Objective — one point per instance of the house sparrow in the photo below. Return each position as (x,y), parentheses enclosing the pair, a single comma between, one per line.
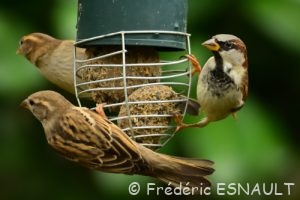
(223,82)
(90,139)
(53,58)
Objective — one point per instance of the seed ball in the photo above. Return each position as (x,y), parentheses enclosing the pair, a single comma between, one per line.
(133,124)
(116,92)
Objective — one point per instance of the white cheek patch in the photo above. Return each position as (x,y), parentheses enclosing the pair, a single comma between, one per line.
(233,61)
(227,67)
(236,74)
(233,56)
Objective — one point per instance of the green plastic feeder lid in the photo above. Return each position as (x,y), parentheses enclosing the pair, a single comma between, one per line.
(159,20)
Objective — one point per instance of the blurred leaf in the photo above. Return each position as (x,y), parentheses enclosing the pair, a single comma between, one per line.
(14,69)
(65,19)
(278,19)
(117,184)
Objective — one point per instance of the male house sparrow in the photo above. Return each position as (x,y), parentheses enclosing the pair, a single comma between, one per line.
(223,82)
(88,138)
(53,58)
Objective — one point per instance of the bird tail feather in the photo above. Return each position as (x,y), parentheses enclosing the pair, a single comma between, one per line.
(180,171)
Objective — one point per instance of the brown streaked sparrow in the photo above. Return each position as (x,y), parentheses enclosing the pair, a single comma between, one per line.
(53,58)
(223,82)
(90,139)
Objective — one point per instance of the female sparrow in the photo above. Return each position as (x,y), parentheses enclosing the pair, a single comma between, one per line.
(223,82)
(53,58)
(90,139)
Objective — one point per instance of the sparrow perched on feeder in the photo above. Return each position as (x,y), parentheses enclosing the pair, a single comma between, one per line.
(222,85)
(91,140)
(53,58)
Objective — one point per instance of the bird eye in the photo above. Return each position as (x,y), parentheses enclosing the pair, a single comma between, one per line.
(21,42)
(31,102)
(227,45)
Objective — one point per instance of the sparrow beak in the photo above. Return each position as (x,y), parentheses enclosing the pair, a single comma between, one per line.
(25,104)
(211,44)
(19,51)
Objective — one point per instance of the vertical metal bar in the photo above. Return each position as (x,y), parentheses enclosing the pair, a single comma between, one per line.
(125,83)
(75,77)
(190,76)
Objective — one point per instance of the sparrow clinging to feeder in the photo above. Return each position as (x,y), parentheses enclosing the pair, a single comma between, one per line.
(222,85)
(91,140)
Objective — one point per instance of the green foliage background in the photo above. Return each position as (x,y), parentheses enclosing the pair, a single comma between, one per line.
(262,146)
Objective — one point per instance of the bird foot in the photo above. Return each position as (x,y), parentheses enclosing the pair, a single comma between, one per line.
(234,115)
(100,111)
(179,122)
(180,125)
(195,63)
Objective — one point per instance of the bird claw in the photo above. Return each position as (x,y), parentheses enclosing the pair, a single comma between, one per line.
(179,122)
(195,63)
(100,111)
(234,115)
(180,125)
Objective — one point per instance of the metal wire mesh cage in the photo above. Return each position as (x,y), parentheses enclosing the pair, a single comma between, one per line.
(141,91)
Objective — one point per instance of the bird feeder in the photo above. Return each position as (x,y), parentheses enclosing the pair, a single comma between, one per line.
(124,40)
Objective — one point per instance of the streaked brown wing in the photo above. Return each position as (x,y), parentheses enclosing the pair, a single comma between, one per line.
(244,86)
(85,137)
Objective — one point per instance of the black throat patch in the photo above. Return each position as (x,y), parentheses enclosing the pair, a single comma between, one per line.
(219,82)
